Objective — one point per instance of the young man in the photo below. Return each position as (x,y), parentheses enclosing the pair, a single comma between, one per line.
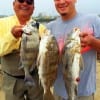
(69,19)
(10,36)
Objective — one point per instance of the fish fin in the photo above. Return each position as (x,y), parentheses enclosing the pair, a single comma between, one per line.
(33,66)
(29,80)
(40,83)
(81,63)
(76,90)
(20,66)
(48,96)
(24,42)
(38,60)
(65,60)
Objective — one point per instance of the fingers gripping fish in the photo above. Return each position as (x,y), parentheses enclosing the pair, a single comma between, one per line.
(72,63)
(48,63)
(29,50)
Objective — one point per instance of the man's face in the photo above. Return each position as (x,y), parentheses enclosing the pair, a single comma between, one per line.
(23,8)
(65,6)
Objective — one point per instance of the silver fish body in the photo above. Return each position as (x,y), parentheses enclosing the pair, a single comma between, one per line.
(72,63)
(29,50)
(48,64)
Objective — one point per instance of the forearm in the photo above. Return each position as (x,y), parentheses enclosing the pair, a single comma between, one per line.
(95,44)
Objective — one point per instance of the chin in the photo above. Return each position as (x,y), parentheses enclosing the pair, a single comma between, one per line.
(63,14)
(26,14)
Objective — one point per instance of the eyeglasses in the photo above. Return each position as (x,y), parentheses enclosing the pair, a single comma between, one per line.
(29,2)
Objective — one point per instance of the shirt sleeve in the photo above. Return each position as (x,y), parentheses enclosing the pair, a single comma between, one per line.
(8,42)
(96,26)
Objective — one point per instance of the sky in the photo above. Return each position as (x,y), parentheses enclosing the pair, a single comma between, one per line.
(47,7)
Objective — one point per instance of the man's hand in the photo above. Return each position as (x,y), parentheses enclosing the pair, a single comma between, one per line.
(17,31)
(86,39)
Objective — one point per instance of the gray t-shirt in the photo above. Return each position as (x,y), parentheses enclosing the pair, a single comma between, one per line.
(60,28)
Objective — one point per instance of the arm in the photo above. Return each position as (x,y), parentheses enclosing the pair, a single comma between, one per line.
(9,41)
(95,44)
(90,40)
(90,36)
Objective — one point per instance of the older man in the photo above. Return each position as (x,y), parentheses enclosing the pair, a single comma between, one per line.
(10,36)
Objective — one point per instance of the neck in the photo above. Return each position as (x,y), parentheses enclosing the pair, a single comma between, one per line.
(23,20)
(66,17)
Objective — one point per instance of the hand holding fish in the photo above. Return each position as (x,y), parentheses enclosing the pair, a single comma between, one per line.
(86,42)
(86,36)
(86,39)
(17,31)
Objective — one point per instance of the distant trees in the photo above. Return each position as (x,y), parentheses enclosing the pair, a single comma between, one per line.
(41,17)
(2,16)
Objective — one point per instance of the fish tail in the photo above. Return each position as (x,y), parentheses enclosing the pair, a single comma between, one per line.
(48,96)
(29,80)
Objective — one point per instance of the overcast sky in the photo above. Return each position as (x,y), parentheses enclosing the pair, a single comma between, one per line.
(47,6)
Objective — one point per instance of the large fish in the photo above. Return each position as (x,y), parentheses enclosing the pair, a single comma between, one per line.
(29,50)
(47,62)
(72,63)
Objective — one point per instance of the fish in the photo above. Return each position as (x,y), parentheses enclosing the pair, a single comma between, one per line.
(47,63)
(29,49)
(72,62)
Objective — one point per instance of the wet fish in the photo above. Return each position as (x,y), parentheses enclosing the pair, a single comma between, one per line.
(29,50)
(72,63)
(47,62)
